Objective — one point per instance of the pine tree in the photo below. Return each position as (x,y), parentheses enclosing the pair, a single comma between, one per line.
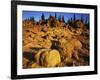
(63,20)
(68,22)
(74,17)
(59,18)
(87,23)
(32,19)
(55,16)
(42,17)
(71,19)
(50,16)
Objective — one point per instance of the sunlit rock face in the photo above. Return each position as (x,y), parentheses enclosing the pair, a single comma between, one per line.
(50,58)
(53,43)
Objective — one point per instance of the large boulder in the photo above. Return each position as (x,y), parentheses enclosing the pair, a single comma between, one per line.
(68,47)
(48,58)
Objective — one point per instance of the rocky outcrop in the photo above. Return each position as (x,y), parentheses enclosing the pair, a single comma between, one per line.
(53,44)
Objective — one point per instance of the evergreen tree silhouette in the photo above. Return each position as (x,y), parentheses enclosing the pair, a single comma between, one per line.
(63,20)
(87,23)
(32,19)
(42,17)
(50,16)
(55,16)
(71,19)
(74,17)
(73,24)
(59,18)
(43,20)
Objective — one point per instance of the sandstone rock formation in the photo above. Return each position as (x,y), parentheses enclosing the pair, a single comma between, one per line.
(54,43)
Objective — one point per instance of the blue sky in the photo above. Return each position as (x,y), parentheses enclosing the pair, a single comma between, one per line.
(37,15)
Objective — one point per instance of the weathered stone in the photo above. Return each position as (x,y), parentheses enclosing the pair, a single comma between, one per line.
(69,46)
(50,59)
